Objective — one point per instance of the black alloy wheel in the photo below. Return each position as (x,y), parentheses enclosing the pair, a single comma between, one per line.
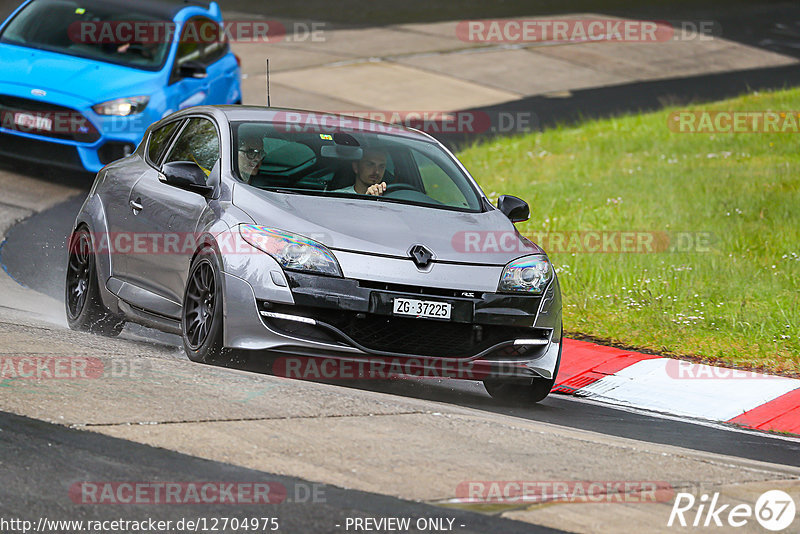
(202,319)
(82,300)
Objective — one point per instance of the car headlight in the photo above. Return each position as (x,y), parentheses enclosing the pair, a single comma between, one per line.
(292,251)
(530,274)
(122,106)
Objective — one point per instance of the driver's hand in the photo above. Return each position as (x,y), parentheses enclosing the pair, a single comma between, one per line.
(376,189)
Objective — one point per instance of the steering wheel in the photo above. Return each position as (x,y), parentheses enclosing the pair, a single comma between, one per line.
(391,188)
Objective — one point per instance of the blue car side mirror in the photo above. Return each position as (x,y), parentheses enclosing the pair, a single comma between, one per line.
(192,69)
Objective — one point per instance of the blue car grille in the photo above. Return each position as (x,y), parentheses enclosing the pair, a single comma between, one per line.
(36,151)
(46,119)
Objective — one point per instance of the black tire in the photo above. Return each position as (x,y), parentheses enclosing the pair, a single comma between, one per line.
(528,391)
(82,300)
(201,317)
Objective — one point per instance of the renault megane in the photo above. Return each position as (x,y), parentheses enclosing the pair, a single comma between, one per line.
(282,232)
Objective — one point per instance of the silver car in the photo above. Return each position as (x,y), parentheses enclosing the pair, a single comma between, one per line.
(293,234)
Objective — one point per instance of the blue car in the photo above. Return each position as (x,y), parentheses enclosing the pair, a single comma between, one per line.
(81,80)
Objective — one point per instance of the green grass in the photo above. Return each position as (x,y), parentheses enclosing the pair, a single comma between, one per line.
(737,303)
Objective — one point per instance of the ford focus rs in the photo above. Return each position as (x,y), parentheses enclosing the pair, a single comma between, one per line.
(81,80)
(287,233)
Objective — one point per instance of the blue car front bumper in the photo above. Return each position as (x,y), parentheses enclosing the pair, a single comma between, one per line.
(62,130)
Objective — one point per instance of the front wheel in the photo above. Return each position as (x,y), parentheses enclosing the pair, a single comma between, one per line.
(82,300)
(202,310)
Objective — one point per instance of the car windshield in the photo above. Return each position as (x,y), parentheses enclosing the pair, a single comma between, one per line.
(92,30)
(346,163)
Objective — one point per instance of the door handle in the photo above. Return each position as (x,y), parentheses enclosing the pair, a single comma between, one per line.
(136,205)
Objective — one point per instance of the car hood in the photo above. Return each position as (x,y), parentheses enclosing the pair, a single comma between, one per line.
(93,81)
(388,228)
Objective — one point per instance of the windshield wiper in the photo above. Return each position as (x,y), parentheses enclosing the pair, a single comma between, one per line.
(281,190)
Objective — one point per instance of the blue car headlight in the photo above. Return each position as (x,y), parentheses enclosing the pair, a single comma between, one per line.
(292,251)
(530,274)
(122,107)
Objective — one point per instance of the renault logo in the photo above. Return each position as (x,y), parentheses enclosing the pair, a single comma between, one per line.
(421,256)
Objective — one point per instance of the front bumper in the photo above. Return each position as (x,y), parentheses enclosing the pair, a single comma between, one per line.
(347,319)
(76,136)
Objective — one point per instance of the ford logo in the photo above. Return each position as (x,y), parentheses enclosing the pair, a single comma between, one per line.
(38,92)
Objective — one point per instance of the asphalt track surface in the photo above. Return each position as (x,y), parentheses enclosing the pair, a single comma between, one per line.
(41,462)
(34,254)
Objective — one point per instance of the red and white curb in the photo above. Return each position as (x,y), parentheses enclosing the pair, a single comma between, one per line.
(665,385)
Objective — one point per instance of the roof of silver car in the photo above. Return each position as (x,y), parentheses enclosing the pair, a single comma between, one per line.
(310,121)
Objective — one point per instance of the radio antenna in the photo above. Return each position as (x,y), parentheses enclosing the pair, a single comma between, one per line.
(268,99)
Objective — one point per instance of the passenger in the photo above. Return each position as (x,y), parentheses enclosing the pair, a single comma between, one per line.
(250,154)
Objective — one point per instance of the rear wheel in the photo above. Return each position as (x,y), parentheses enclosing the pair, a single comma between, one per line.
(202,311)
(527,391)
(82,300)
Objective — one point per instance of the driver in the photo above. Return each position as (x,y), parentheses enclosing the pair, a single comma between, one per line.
(145,49)
(369,172)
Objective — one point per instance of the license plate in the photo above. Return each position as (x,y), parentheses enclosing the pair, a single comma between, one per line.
(33,122)
(422,308)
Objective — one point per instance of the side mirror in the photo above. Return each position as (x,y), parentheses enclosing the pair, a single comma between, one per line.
(192,69)
(186,175)
(514,208)
(214,181)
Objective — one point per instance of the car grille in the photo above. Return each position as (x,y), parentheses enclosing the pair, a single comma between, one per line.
(407,336)
(40,151)
(431,291)
(66,123)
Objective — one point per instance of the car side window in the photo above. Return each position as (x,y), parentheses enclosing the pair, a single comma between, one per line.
(159,141)
(215,48)
(197,143)
(438,185)
(201,40)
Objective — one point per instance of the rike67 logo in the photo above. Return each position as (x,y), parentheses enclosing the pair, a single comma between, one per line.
(774,510)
